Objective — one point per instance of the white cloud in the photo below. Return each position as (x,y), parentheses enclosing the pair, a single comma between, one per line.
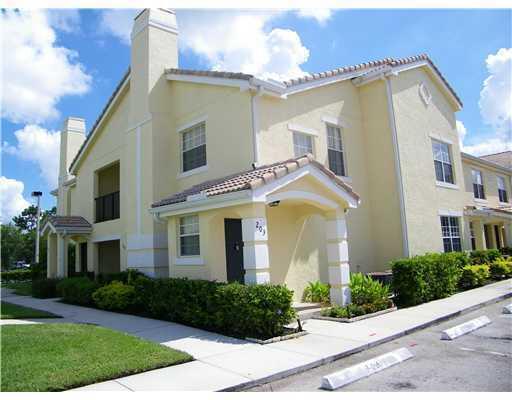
(12,201)
(37,73)
(67,20)
(240,41)
(321,15)
(489,146)
(118,23)
(495,98)
(40,146)
(461,130)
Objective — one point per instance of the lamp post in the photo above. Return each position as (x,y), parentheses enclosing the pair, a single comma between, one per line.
(37,195)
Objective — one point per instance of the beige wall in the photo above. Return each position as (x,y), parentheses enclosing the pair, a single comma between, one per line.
(417,124)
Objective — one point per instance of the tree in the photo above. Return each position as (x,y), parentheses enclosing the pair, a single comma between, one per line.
(27,220)
(12,243)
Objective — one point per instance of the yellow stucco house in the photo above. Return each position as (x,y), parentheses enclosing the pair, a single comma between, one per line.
(224,176)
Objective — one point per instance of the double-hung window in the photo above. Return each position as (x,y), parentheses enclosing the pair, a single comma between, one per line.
(450,233)
(442,162)
(193,147)
(302,144)
(502,190)
(478,184)
(189,235)
(335,150)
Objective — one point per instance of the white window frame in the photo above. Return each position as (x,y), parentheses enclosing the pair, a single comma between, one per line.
(500,179)
(451,230)
(181,131)
(306,135)
(343,149)
(449,152)
(181,235)
(475,173)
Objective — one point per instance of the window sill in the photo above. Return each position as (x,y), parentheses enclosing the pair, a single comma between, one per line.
(194,171)
(192,260)
(447,185)
(482,201)
(346,179)
(502,203)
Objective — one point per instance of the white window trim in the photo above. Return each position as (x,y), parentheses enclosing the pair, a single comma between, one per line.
(450,213)
(478,199)
(482,201)
(188,260)
(441,139)
(202,168)
(194,171)
(447,185)
(301,129)
(346,177)
(460,237)
(178,231)
(191,123)
(313,144)
(450,154)
(334,121)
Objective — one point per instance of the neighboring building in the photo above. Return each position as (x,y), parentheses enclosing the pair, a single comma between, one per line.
(224,176)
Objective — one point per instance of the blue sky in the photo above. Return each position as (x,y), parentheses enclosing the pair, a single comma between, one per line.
(96,55)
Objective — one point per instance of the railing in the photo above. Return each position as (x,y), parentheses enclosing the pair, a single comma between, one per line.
(107,207)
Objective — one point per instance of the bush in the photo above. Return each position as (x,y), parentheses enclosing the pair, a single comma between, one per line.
(127,276)
(37,271)
(16,275)
(424,278)
(500,269)
(259,311)
(116,296)
(316,292)
(366,291)
(506,251)
(480,257)
(474,276)
(45,288)
(353,310)
(77,290)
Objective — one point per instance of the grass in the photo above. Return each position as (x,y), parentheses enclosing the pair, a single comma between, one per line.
(54,357)
(13,311)
(20,288)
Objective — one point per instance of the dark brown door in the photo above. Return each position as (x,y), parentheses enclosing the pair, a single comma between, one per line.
(497,236)
(83,257)
(234,250)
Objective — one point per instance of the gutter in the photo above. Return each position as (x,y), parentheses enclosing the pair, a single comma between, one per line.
(398,169)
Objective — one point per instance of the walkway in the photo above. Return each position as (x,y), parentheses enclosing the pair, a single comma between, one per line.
(224,363)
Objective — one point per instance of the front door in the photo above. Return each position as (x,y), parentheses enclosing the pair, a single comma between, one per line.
(497,236)
(83,257)
(234,250)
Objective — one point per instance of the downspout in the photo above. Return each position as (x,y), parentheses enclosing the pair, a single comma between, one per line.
(398,169)
(255,125)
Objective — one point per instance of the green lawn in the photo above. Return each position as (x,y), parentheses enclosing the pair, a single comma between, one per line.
(20,288)
(13,311)
(53,357)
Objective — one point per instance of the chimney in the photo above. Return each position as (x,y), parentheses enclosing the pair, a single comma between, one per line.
(72,136)
(154,48)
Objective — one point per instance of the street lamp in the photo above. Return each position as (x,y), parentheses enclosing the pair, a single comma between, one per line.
(37,195)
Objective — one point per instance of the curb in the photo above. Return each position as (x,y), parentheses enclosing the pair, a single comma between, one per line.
(326,360)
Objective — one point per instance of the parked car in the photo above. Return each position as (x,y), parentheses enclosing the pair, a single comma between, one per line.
(21,265)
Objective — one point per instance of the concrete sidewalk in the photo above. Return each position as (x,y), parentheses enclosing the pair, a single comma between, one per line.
(224,363)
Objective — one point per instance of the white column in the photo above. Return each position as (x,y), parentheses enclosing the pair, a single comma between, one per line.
(508,235)
(478,227)
(256,260)
(337,258)
(61,256)
(466,238)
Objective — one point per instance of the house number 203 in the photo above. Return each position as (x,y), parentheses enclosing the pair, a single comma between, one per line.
(260,228)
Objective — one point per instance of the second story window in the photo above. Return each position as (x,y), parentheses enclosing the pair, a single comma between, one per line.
(478,184)
(442,162)
(335,150)
(193,147)
(302,144)
(502,190)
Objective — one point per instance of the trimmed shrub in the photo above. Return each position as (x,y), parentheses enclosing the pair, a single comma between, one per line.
(45,288)
(474,276)
(424,278)
(368,292)
(259,311)
(127,276)
(16,275)
(500,269)
(479,257)
(37,271)
(316,292)
(77,290)
(116,296)
(353,310)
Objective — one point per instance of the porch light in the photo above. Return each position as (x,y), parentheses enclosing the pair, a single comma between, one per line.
(274,203)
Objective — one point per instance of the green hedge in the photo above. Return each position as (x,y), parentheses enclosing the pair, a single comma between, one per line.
(501,269)
(77,290)
(45,288)
(116,296)
(474,276)
(259,311)
(424,278)
(480,257)
(16,275)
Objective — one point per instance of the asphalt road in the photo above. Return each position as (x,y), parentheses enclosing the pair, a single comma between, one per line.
(478,361)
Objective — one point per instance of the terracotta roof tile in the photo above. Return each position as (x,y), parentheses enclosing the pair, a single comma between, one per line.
(61,221)
(213,74)
(251,179)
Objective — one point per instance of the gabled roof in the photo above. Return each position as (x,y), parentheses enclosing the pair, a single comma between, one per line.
(504,158)
(251,179)
(67,224)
